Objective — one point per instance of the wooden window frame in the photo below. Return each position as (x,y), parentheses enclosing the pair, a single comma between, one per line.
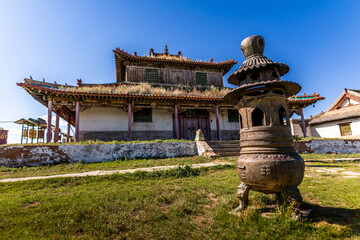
(148,70)
(199,81)
(232,118)
(143,115)
(342,132)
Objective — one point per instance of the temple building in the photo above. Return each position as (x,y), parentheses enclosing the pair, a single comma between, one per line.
(296,104)
(157,96)
(341,119)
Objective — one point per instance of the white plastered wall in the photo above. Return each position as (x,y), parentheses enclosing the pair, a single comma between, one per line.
(161,121)
(332,129)
(113,119)
(103,119)
(224,123)
(296,128)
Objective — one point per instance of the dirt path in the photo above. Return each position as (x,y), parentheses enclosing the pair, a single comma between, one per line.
(99,173)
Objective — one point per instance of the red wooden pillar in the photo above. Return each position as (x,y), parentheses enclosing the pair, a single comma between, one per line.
(48,133)
(129,122)
(217,122)
(176,116)
(68,129)
(303,122)
(56,137)
(77,116)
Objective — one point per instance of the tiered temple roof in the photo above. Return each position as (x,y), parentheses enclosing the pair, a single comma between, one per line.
(125,91)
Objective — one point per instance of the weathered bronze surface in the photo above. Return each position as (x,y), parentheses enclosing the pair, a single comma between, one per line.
(268,162)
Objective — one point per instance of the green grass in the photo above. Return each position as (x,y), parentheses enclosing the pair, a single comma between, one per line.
(307,156)
(64,168)
(181,203)
(297,138)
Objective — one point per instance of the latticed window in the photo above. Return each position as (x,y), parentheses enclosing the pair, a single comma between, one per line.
(345,129)
(201,78)
(233,115)
(143,115)
(152,75)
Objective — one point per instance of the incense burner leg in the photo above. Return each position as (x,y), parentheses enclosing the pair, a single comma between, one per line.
(293,195)
(243,195)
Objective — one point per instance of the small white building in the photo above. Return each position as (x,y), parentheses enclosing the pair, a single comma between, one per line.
(341,119)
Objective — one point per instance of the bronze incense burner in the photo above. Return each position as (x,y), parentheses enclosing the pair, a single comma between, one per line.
(268,162)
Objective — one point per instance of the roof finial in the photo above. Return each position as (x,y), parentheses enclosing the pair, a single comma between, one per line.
(166,52)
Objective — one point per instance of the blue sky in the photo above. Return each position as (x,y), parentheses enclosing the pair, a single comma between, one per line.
(65,40)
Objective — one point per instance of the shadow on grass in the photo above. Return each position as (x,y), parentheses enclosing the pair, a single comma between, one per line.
(320,214)
(334,215)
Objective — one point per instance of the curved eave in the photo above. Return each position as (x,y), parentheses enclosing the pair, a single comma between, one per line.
(234,77)
(290,89)
(74,94)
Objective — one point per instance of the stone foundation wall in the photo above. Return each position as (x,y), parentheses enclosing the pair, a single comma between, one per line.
(328,146)
(32,155)
(123,135)
(226,135)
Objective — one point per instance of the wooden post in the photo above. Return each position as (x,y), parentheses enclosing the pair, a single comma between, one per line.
(48,133)
(68,129)
(77,116)
(176,116)
(33,128)
(129,122)
(37,135)
(22,131)
(217,123)
(303,123)
(56,136)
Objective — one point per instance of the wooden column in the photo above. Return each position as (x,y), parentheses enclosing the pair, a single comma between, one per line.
(56,136)
(217,123)
(22,131)
(129,122)
(176,120)
(303,122)
(77,118)
(68,129)
(48,133)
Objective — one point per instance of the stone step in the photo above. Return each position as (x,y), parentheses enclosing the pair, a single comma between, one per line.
(217,150)
(228,154)
(223,142)
(215,146)
(225,148)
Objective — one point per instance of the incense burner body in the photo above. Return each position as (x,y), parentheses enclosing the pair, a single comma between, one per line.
(268,162)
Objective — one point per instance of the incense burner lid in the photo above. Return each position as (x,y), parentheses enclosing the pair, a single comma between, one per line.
(253,48)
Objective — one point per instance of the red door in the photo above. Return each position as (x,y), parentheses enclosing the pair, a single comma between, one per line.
(191,121)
